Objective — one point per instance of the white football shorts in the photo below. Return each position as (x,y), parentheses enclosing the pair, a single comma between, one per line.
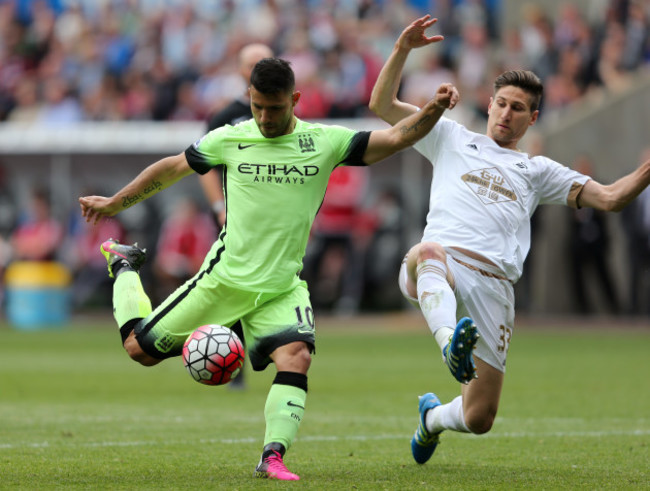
(484,295)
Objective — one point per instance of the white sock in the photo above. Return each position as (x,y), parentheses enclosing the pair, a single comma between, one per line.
(447,417)
(437,300)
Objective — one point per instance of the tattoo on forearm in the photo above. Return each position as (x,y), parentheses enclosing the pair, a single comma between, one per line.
(153,187)
(405,130)
(130,200)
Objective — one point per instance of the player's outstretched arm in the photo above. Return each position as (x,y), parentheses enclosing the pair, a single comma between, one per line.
(383,143)
(383,101)
(616,196)
(153,179)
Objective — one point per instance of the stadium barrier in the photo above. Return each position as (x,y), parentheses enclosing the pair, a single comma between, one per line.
(37,294)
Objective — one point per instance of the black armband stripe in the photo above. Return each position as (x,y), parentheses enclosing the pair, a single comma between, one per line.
(357,148)
(197,161)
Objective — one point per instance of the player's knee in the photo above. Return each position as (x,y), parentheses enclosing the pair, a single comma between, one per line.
(135,352)
(480,421)
(431,250)
(293,357)
(302,357)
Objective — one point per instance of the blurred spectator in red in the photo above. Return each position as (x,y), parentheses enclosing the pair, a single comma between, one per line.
(185,238)
(314,100)
(38,236)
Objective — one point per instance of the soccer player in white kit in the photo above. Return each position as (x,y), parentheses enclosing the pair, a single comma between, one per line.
(483,193)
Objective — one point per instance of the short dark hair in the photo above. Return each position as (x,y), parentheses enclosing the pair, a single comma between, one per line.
(272,76)
(525,80)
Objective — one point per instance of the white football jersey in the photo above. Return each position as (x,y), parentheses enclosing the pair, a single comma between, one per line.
(482,195)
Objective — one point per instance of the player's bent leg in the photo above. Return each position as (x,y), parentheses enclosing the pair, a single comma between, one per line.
(427,275)
(481,398)
(136,353)
(418,254)
(130,302)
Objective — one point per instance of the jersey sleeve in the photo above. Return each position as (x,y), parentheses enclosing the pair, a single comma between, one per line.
(559,185)
(349,145)
(429,146)
(204,154)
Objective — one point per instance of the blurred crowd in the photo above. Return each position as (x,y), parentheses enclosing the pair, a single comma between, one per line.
(88,60)
(65,61)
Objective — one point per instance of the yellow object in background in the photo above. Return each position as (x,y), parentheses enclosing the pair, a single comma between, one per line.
(37,293)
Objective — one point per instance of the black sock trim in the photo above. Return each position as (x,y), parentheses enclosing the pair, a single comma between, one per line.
(293,379)
(273,447)
(121,266)
(127,328)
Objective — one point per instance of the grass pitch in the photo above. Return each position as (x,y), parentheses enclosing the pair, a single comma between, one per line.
(76,413)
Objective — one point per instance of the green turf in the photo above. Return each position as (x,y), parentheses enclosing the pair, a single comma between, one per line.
(75,412)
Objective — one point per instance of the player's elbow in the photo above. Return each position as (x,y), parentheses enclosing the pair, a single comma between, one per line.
(382,107)
(376,106)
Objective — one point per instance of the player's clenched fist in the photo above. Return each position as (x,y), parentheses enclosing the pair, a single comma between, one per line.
(446,96)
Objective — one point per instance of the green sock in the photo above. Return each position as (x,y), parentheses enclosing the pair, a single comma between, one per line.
(129,299)
(285,407)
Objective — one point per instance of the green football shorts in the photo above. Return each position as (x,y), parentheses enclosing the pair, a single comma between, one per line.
(269,320)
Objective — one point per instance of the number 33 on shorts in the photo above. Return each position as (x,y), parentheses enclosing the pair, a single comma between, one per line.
(504,338)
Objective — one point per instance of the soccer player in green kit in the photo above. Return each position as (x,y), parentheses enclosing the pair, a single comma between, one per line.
(276,173)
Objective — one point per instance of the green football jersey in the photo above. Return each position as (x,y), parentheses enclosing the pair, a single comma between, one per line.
(273,189)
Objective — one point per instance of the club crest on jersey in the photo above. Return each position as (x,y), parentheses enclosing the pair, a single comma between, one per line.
(489,185)
(306,143)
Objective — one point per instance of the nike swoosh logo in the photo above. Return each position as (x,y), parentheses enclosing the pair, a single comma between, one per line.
(242,147)
(295,405)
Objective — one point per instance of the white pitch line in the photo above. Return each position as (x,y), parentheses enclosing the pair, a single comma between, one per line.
(317,438)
